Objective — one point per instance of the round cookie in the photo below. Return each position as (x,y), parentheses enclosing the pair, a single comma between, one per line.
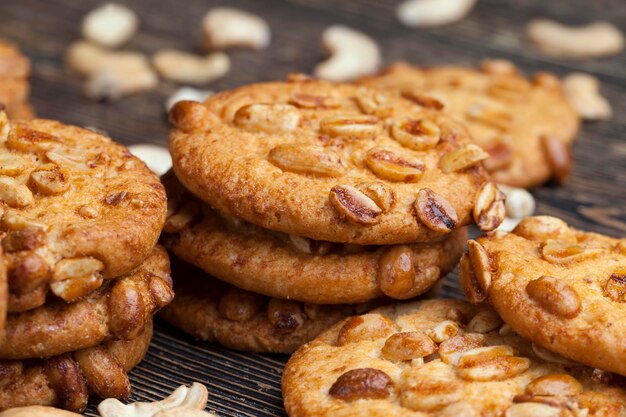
(76,208)
(527,127)
(67,380)
(119,310)
(214,311)
(562,288)
(297,268)
(332,162)
(441,358)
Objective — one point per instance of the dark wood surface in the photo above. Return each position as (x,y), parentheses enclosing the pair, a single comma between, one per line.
(249,385)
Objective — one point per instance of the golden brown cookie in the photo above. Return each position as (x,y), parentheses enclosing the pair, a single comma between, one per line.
(4,294)
(332,162)
(76,209)
(441,358)
(562,288)
(118,310)
(297,268)
(67,380)
(214,311)
(527,127)
(37,411)
(14,85)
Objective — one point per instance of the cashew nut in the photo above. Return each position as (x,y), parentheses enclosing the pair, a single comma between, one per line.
(431,13)
(187,93)
(353,54)
(110,25)
(183,399)
(110,74)
(225,27)
(508,224)
(157,158)
(583,93)
(595,39)
(188,68)
(519,202)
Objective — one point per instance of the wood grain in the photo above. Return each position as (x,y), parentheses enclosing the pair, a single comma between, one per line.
(249,385)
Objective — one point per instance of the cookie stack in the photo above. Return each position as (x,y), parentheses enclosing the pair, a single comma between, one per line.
(14,86)
(310,198)
(81,275)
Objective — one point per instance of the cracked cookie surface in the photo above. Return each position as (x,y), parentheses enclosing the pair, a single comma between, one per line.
(527,127)
(560,287)
(330,162)
(76,209)
(439,358)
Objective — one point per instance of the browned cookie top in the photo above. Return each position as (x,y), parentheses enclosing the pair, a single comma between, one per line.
(75,208)
(562,288)
(526,126)
(440,358)
(331,162)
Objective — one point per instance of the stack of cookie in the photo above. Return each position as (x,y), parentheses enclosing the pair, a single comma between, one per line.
(80,273)
(312,200)
(14,85)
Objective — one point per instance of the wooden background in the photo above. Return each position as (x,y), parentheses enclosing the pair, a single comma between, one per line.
(249,385)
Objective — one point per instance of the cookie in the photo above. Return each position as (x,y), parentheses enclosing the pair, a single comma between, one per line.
(332,162)
(4,294)
(562,288)
(76,209)
(14,85)
(297,268)
(214,311)
(527,127)
(442,358)
(37,411)
(118,310)
(67,380)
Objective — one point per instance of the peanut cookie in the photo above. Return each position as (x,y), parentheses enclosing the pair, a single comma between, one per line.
(332,162)
(214,311)
(442,358)
(14,85)
(527,127)
(562,288)
(118,310)
(4,294)
(76,209)
(67,380)
(299,268)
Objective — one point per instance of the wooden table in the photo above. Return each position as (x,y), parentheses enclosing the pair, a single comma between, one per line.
(243,384)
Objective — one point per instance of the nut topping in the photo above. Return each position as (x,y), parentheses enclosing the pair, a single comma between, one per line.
(475,271)
(491,363)
(314,160)
(25,239)
(408,345)
(351,126)
(27,140)
(489,208)
(383,196)
(182,218)
(490,115)
(563,253)
(444,331)
(396,272)
(387,164)
(484,321)
(532,409)
(309,246)
(28,272)
(614,287)
(307,101)
(462,158)
(364,327)
(430,387)
(373,102)
(423,100)
(450,350)
(73,278)
(50,179)
(363,383)
(355,206)
(419,135)
(12,164)
(14,194)
(556,384)
(435,212)
(554,296)
(239,305)
(558,156)
(285,315)
(268,118)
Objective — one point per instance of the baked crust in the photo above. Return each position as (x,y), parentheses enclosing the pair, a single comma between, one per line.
(506,114)
(214,311)
(287,156)
(296,268)
(116,311)
(381,364)
(560,287)
(76,209)
(66,381)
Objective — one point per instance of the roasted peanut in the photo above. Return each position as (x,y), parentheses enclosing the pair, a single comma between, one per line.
(313,160)
(396,272)
(615,286)
(450,350)
(558,156)
(74,278)
(419,135)
(12,164)
(491,363)
(50,179)
(555,384)
(364,327)
(269,118)
(408,345)
(285,315)
(355,206)
(387,164)
(435,212)
(532,409)
(15,194)
(554,296)
(429,388)
(489,207)
(363,383)
(462,158)
(564,253)
(382,195)
(484,321)
(308,101)
(444,331)
(351,126)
